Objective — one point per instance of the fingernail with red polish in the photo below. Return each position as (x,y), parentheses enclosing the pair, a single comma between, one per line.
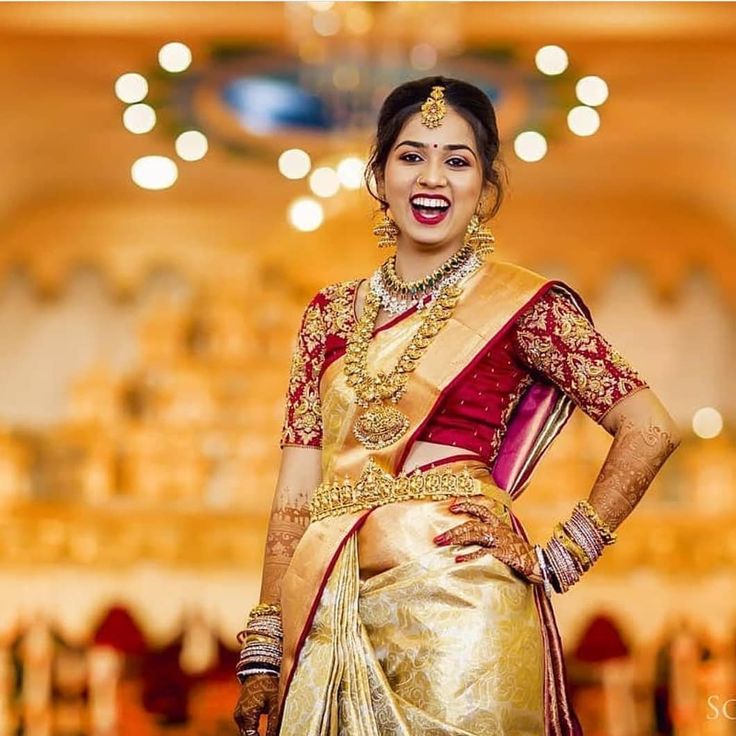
(440,539)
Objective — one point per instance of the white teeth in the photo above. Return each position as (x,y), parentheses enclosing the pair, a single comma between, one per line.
(429,202)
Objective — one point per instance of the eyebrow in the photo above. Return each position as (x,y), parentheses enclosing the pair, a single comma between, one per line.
(448,147)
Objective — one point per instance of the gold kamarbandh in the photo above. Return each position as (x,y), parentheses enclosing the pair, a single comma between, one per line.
(376,487)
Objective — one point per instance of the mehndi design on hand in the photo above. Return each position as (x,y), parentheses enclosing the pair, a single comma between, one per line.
(494,537)
(258,695)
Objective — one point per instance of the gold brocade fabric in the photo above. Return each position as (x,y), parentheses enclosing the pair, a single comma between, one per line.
(405,640)
(397,532)
(428,647)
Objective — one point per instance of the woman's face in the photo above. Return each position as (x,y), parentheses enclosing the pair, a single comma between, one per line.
(433,181)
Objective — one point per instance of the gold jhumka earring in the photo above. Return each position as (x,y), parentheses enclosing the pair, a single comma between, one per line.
(386,231)
(479,237)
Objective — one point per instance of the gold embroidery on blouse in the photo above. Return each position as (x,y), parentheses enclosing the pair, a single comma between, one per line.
(313,330)
(580,361)
(512,402)
(339,317)
(333,315)
(307,416)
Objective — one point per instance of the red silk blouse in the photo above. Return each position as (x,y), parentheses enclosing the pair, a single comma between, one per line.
(549,339)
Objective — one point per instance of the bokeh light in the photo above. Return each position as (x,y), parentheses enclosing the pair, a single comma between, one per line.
(191,145)
(327,23)
(139,118)
(154,172)
(551,60)
(294,163)
(324,182)
(591,90)
(131,87)
(707,423)
(175,57)
(530,146)
(583,120)
(358,20)
(350,172)
(306,214)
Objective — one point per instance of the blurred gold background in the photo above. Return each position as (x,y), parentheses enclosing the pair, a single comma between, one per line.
(146,334)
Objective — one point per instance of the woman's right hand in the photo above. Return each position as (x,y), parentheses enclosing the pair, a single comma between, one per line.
(258,695)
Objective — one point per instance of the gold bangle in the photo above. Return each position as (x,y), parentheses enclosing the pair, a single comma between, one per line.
(265,609)
(572,547)
(261,638)
(606,532)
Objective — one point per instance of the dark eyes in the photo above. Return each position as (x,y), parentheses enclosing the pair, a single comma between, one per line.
(456,162)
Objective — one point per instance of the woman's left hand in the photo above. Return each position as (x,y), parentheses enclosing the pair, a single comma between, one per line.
(491,534)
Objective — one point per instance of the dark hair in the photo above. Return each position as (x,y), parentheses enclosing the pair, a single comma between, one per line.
(466,99)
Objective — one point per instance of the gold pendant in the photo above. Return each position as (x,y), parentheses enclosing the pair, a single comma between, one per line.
(380,426)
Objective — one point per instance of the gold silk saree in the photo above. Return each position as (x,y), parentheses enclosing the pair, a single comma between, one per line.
(384,633)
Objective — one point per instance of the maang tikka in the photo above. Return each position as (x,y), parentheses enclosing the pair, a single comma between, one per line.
(434,108)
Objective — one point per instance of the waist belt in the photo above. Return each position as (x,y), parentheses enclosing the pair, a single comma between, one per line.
(376,487)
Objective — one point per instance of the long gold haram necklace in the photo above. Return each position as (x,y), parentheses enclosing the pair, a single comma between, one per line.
(382,424)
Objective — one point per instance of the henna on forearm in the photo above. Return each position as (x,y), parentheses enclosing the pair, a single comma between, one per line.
(637,453)
(288,522)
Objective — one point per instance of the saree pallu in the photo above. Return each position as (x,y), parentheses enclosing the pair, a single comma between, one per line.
(384,633)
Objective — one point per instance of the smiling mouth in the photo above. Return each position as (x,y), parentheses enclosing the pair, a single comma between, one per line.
(429,210)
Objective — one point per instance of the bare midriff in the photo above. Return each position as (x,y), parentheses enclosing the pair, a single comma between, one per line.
(424,455)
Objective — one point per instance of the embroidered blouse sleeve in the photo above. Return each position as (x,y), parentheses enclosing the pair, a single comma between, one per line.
(302,426)
(554,339)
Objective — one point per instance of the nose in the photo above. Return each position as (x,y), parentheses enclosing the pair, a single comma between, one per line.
(432,175)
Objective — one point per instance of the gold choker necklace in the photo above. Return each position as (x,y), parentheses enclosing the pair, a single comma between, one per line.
(409,289)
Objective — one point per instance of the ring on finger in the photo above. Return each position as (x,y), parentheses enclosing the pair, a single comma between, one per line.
(486,540)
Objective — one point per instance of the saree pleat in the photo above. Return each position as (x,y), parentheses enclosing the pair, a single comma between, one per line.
(429,647)
(333,690)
